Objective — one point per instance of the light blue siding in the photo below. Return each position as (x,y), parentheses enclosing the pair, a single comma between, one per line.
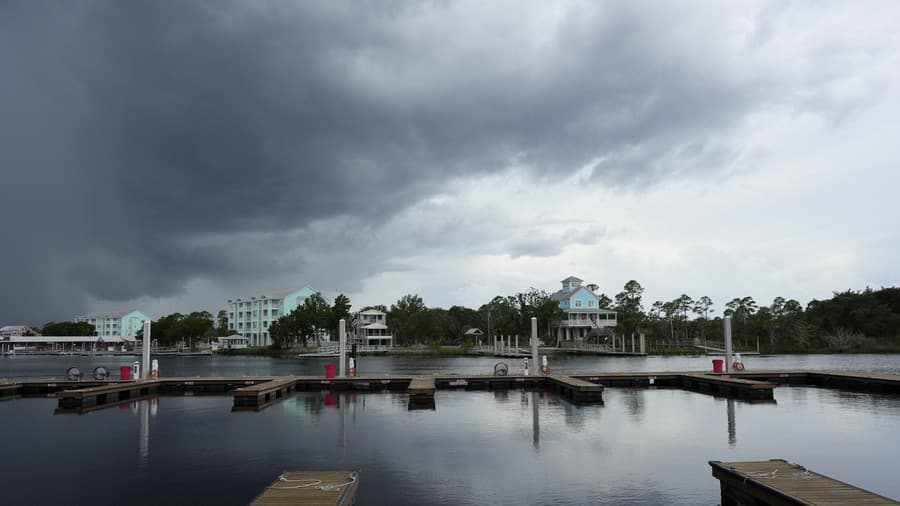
(582,299)
(131,323)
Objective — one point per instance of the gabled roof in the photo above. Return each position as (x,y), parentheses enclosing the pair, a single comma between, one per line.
(571,278)
(372,311)
(474,332)
(375,326)
(561,295)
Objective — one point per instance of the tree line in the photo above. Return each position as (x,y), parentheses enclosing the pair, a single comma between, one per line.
(866,319)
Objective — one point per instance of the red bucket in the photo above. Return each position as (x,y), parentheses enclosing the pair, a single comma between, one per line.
(718,365)
(329,370)
(125,372)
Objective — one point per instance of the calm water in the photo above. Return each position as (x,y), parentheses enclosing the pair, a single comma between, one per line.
(642,447)
(55,366)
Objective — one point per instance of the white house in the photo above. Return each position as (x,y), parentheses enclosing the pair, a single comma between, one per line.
(370,329)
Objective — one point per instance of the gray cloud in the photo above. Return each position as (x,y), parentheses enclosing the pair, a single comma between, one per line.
(145,142)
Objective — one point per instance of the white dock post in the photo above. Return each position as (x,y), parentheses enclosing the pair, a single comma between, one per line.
(643,344)
(728,344)
(342,348)
(146,352)
(632,342)
(534,346)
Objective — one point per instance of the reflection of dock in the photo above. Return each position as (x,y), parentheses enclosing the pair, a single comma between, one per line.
(321,488)
(782,483)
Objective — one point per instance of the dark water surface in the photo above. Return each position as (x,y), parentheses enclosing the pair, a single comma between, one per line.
(56,366)
(643,446)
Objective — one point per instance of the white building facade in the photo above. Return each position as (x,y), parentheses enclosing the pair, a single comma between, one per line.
(251,317)
(126,323)
(370,329)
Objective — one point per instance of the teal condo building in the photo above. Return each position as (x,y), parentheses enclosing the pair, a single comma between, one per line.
(251,316)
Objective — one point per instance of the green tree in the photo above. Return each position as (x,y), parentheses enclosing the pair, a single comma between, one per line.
(222,320)
(68,329)
(400,314)
(628,305)
(340,310)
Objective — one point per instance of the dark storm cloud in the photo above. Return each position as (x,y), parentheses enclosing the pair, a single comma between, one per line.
(133,129)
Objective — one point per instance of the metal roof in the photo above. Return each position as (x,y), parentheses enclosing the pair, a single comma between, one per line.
(70,339)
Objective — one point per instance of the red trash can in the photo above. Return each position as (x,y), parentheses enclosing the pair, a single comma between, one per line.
(125,372)
(329,370)
(718,364)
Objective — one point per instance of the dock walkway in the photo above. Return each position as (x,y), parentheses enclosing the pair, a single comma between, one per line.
(261,395)
(311,488)
(109,394)
(576,389)
(778,482)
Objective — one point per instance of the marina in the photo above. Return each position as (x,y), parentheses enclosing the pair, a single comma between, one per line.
(357,413)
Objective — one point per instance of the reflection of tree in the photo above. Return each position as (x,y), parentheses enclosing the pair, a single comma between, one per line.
(572,415)
(633,398)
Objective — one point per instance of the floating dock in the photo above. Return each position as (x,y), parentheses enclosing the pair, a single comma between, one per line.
(778,482)
(421,392)
(255,393)
(106,395)
(261,395)
(312,488)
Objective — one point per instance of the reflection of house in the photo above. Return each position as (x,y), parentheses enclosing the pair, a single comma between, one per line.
(583,316)
(115,324)
(251,317)
(370,329)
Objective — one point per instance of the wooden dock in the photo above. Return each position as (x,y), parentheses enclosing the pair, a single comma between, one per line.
(106,395)
(260,392)
(577,390)
(729,387)
(421,392)
(264,394)
(778,482)
(311,488)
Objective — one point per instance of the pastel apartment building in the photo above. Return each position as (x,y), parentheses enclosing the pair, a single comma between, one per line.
(126,323)
(250,317)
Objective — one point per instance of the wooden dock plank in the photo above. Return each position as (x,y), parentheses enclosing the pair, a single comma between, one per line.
(780,482)
(261,387)
(311,488)
(421,386)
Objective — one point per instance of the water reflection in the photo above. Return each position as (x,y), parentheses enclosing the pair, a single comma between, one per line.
(535,421)
(732,430)
(144,409)
(633,399)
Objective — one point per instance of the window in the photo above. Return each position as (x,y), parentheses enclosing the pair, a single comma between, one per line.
(577,303)
(590,303)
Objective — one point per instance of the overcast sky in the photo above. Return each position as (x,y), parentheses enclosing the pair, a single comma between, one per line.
(170,155)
